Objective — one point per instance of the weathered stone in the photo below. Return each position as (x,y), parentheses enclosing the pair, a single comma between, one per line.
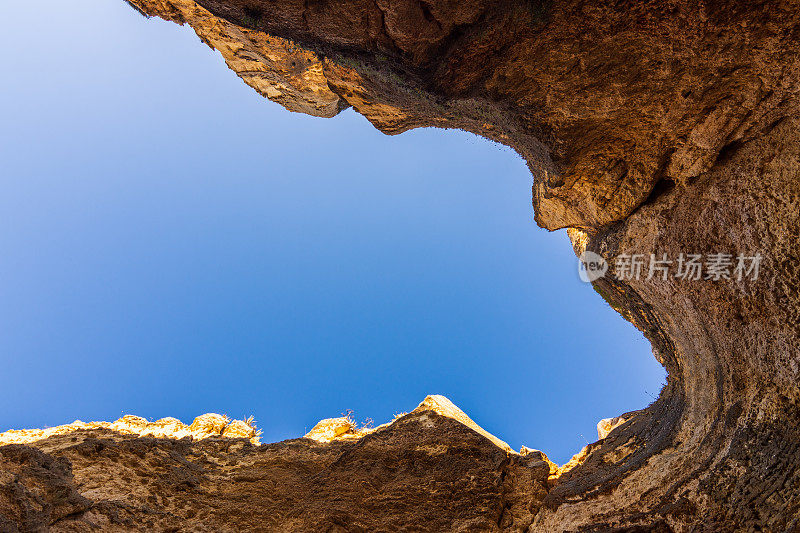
(423,470)
(275,67)
(240,429)
(331,428)
(607,425)
(209,425)
(661,127)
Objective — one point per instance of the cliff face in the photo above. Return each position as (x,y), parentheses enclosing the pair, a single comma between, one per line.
(658,127)
(432,469)
(603,100)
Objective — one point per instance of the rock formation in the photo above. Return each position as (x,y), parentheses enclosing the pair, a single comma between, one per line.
(661,127)
(432,469)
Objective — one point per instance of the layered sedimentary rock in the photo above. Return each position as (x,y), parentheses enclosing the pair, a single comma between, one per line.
(660,127)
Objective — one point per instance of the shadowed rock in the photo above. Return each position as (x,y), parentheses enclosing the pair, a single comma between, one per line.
(433,468)
(656,127)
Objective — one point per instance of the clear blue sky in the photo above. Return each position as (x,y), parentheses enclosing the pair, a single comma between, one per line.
(173,244)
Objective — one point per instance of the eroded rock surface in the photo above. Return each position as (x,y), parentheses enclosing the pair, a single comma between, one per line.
(275,67)
(432,469)
(603,100)
(656,127)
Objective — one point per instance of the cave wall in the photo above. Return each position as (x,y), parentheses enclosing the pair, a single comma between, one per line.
(656,127)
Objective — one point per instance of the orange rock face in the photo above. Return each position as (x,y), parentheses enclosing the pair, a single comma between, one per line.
(656,127)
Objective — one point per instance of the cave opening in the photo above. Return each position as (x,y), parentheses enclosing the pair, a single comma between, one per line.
(199,248)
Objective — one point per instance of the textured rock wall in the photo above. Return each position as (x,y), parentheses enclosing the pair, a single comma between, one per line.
(603,99)
(661,127)
(720,449)
(432,469)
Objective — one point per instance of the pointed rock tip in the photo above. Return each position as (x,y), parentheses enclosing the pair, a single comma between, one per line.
(607,425)
(534,455)
(443,406)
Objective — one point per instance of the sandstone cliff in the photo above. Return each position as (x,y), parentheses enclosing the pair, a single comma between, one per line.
(655,127)
(432,469)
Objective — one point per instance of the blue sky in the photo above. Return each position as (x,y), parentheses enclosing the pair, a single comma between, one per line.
(173,244)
